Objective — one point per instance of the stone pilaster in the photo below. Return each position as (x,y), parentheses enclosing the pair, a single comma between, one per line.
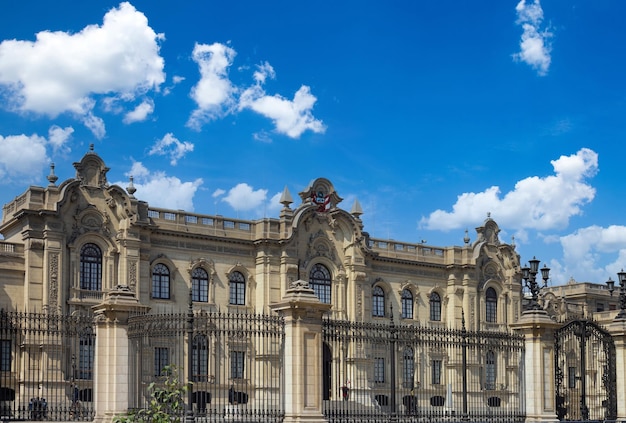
(617,328)
(111,376)
(303,312)
(538,331)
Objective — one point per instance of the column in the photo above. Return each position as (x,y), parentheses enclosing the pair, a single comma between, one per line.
(538,331)
(111,364)
(303,312)
(617,328)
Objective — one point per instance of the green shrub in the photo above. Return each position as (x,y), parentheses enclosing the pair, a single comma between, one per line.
(166,401)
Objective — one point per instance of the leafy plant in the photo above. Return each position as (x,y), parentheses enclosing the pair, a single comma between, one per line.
(166,401)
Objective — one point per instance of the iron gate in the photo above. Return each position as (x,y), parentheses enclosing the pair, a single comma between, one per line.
(585,372)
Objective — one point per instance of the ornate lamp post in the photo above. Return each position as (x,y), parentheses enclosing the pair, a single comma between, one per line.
(610,284)
(529,274)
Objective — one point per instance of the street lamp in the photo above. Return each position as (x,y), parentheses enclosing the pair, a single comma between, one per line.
(610,284)
(529,274)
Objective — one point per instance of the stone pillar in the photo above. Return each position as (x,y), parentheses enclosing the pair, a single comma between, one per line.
(111,375)
(617,328)
(538,330)
(303,312)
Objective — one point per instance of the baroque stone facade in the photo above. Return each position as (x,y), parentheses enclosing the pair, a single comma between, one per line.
(66,246)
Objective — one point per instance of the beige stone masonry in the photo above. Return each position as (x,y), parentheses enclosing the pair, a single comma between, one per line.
(303,312)
(538,330)
(111,367)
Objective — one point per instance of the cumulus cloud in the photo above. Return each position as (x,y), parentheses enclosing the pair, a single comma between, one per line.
(274,206)
(536,202)
(21,155)
(61,72)
(24,157)
(140,113)
(216,96)
(582,249)
(170,146)
(290,117)
(535,47)
(214,92)
(243,197)
(58,138)
(151,186)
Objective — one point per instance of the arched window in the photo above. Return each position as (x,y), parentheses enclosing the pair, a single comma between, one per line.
(91,267)
(237,288)
(407,304)
(435,307)
(378,302)
(319,281)
(160,281)
(408,367)
(199,285)
(491,305)
(490,370)
(200,356)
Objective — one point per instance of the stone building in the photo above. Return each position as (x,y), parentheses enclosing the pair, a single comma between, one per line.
(65,246)
(84,246)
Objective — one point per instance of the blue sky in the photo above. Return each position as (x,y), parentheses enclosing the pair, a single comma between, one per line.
(431,114)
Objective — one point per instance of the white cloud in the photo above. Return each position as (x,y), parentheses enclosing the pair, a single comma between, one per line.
(264,71)
(274,206)
(60,71)
(214,92)
(140,113)
(243,197)
(218,193)
(59,137)
(535,47)
(23,157)
(291,117)
(176,79)
(151,186)
(583,249)
(535,203)
(171,146)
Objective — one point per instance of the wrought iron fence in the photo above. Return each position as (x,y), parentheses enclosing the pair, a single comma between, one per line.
(381,372)
(46,366)
(236,362)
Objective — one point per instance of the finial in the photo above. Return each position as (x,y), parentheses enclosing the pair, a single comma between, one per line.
(52,178)
(356,211)
(466,238)
(131,187)
(91,146)
(285,198)
(513,242)
(488,215)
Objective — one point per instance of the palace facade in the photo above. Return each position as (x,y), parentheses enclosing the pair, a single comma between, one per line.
(65,246)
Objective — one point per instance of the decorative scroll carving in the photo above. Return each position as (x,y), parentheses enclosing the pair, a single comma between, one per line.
(132,274)
(53,287)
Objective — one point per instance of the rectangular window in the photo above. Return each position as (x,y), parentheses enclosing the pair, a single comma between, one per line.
(379,370)
(161,360)
(5,355)
(207,221)
(436,372)
(153,214)
(86,356)
(191,219)
(322,292)
(237,364)
(229,224)
(169,216)
(571,377)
